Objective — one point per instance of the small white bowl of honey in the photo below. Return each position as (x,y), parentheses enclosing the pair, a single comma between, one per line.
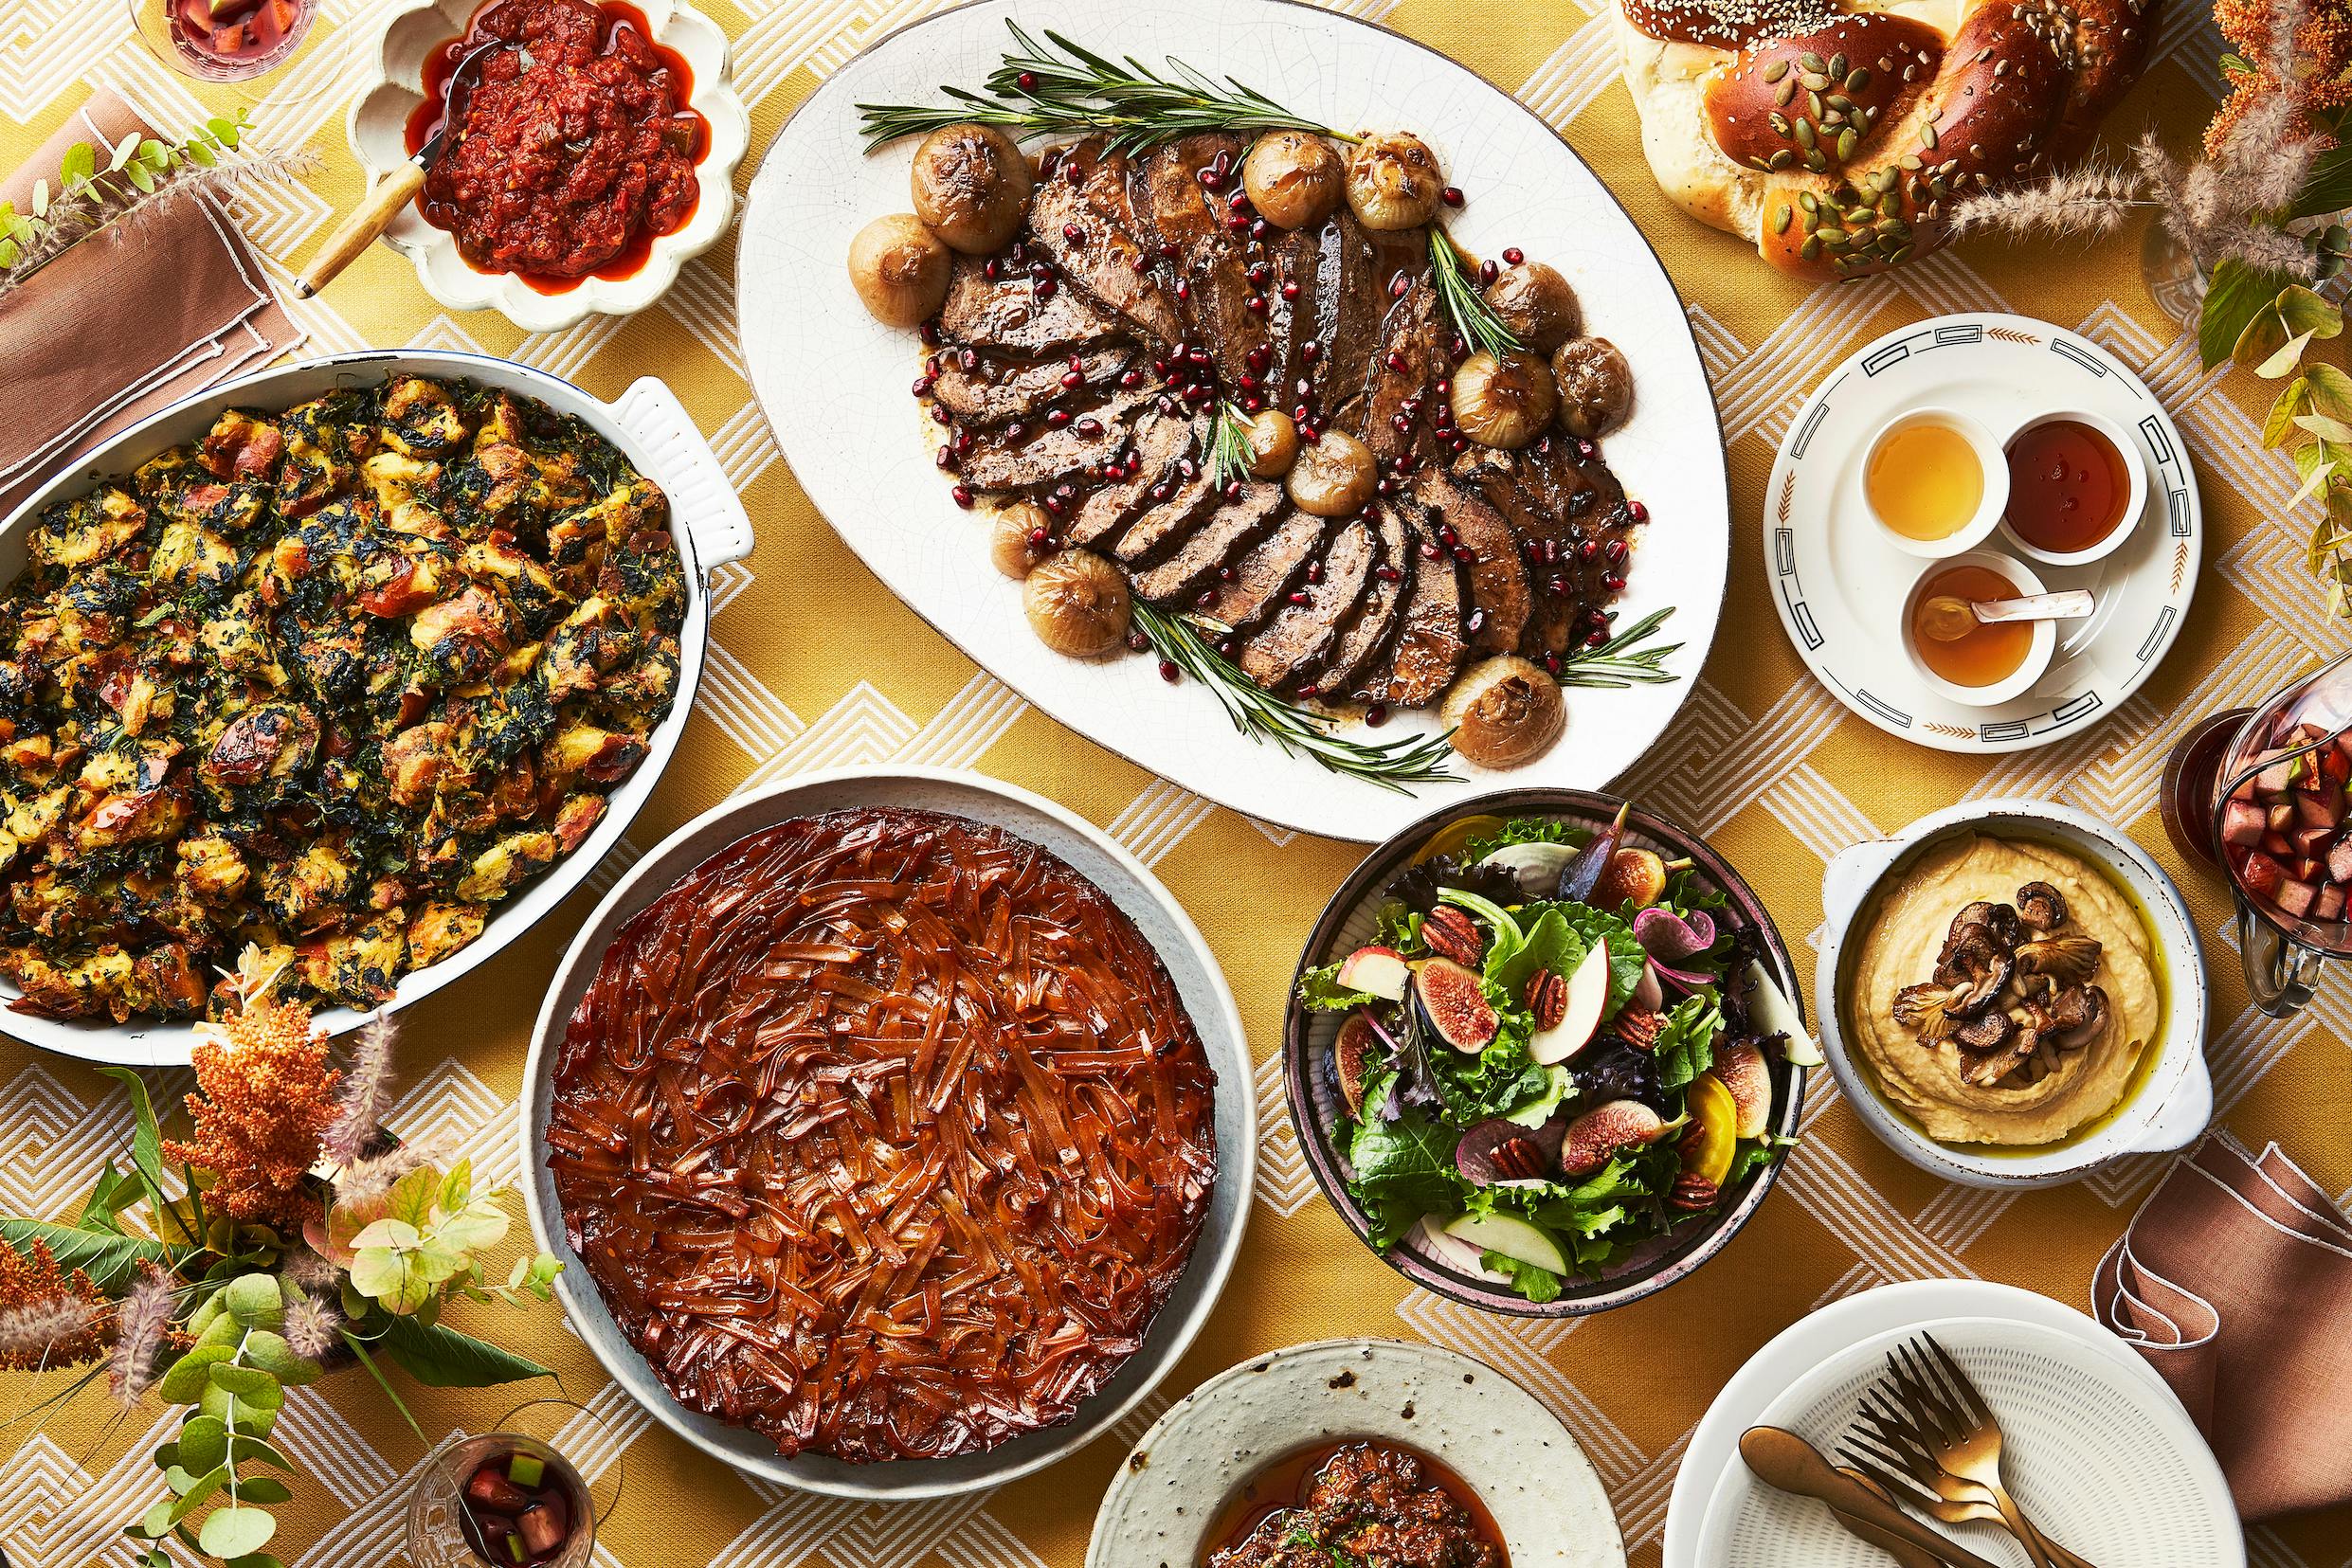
(1936,482)
(1989,663)
(2076,487)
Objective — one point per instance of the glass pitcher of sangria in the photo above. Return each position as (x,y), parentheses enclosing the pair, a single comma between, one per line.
(2266,793)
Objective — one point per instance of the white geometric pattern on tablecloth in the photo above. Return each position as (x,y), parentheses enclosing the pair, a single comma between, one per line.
(1580,70)
(54,1511)
(1284,1183)
(1157,820)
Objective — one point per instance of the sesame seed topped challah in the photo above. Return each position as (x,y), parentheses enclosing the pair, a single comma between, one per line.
(1836,133)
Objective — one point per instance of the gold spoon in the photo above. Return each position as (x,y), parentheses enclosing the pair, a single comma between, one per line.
(1948,618)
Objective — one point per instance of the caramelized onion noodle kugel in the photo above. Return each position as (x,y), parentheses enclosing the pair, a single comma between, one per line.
(884,1134)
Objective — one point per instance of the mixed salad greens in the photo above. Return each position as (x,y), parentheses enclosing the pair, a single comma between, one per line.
(1553,1051)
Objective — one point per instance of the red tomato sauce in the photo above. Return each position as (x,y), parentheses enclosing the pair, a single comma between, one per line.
(576,150)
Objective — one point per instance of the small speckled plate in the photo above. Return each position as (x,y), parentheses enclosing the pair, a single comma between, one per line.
(1497,1436)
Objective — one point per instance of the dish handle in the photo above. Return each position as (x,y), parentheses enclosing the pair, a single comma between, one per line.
(2183,1118)
(1850,874)
(702,496)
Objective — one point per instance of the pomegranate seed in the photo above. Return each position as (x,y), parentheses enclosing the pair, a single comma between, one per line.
(1257,274)
(1311,690)
(1298,413)
(1251,404)
(1167,248)
(1555,584)
(1225,648)
(1614,583)
(1376,716)
(1054,504)
(1072,378)
(1530,551)
(965,441)
(1488,271)
(947,456)
(1586,448)
(1027,80)
(1311,351)
(1257,228)
(1384,487)
(1057,419)
(1639,513)
(1233,490)
(1552,662)
(922,386)
(1444,387)
(1159,493)
(1477,622)
(1400,285)
(1314,571)
(1309,434)
(1090,427)
(1589,550)
(987,270)
(1186,468)
(962,496)
(1616,553)
(1237,223)
(1447,537)
(1184,289)
(1451,196)
(1594,639)
(1552,551)
(1430,551)
(1290,291)
(1073,174)
(1039,538)
(1464,554)
(1128,379)
(1396,362)
(1388,574)
(1203,598)
(1141,263)
(928,332)
(1297,598)
(1045,287)
(1255,304)
(1211,180)
(1137,641)
(1016,430)
(1512,255)
(1169,671)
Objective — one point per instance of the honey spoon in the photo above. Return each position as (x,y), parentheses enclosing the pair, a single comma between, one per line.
(1948,618)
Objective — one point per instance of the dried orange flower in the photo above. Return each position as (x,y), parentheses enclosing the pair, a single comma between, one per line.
(2312,66)
(266,1096)
(47,1317)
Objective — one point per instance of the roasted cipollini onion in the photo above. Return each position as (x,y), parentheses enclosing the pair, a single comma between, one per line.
(1537,304)
(1295,178)
(1506,402)
(900,269)
(843,1111)
(971,186)
(1274,444)
(1077,603)
(1334,477)
(1019,538)
(1596,385)
(1504,713)
(1394,181)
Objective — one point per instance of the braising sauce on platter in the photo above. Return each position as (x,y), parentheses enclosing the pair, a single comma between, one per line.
(577,148)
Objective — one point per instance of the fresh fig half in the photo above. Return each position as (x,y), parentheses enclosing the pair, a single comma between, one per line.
(1499,1149)
(1593,1136)
(1452,998)
(1742,1070)
(1353,1055)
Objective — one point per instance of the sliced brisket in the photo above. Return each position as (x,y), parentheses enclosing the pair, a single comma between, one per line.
(1219,544)
(1084,223)
(1005,314)
(1263,575)
(996,390)
(1431,647)
(1161,440)
(1210,261)
(1500,595)
(1379,610)
(1303,632)
(1029,452)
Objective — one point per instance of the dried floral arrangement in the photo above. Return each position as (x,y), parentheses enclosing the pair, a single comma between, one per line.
(141,176)
(304,1240)
(2255,214)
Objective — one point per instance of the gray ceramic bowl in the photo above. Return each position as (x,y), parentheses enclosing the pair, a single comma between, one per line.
(1198,979)
(1346,923)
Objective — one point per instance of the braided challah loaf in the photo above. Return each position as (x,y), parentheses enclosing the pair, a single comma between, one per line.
(1836,134)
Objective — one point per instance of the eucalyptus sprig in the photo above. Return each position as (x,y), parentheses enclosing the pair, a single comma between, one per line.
(2275,330)
(1229,450)
(86,197)
(1060,88)
(1621,662)
(1472,315)
(1261,715)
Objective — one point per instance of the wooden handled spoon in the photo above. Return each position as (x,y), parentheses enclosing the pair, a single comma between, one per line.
(398,189)
(1948,618)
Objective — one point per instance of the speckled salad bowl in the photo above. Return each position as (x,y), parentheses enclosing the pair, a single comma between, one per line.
(1347,922)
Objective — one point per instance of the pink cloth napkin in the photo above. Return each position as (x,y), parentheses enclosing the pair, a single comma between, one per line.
(128,320)
(2235,1280)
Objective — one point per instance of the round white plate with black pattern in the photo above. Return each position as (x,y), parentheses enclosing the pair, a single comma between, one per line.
(1839,584)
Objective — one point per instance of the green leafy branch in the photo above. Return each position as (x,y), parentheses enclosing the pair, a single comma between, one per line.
(86,196)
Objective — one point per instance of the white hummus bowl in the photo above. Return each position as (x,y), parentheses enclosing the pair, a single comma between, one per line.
(378,122)
(2173,1097)
(1199,980)
(1525,1466)
(649,427)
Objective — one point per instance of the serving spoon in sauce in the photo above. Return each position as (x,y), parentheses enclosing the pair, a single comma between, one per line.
(1948,618)
(399,187)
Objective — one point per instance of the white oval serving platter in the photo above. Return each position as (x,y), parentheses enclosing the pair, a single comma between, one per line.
(1524,1465)
(2103,1462)
(1191,967)
(1839,584)
(834,382)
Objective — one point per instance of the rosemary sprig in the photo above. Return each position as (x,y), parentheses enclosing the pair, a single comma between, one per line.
(1261,715)
(1473,316)
(1229,451)
(1618,662)
(1060,88)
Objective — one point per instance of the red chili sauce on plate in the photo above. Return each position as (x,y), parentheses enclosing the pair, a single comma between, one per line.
(577,148)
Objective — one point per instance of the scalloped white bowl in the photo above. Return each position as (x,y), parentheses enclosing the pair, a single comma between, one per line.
(377,127)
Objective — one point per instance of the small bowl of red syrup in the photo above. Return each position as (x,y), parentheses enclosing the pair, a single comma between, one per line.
(2077,488)
(513,1498)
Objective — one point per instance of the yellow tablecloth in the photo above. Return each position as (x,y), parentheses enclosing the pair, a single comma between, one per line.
(1765,763)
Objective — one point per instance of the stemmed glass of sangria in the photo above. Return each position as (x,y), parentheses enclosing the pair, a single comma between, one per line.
(2266,793)
(224,40)
(519,1496)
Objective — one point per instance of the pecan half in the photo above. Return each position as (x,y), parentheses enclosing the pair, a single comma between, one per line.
(1547,999)
(1639,1029)
(1519,1159)
(1692,1193)
(1452,933)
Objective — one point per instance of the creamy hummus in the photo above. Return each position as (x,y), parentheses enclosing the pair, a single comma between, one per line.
(1905,930)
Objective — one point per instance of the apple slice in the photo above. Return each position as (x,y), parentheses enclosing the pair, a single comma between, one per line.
(1513,1238)
(1588,993)
(1455,1254)
(1376,972)
(1776,1014)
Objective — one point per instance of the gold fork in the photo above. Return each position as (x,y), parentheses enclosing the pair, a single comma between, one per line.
(1909,1476)
(1950,1421)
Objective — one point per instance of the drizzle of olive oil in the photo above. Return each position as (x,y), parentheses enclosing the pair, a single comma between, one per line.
(1925,481)
(2151,1051)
